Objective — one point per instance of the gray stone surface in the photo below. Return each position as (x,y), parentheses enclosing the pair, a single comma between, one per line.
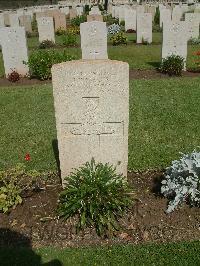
(2,24)
(94,18)
(95,11)
(130,19)
(91,99)
(26,22)
(192,20)
(144,27)
(14,20)
(94,40)
(165,16)
(46,29)
(14,49)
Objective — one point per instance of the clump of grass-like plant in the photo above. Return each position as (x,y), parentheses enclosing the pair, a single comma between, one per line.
(97,195)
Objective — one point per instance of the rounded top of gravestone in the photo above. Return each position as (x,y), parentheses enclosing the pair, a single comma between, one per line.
(86,61)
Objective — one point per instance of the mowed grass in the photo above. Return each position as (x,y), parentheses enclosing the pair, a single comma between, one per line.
(183,254)
(138,56)
(164,120)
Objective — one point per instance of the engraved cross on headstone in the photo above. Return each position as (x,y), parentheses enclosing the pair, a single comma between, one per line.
(92,123)
(94,54)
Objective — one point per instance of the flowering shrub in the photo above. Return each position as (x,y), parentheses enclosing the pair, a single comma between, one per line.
(118,39)
(182,181)
(172,65)
(73,30)
(114,29)
(40,62)
(97,195)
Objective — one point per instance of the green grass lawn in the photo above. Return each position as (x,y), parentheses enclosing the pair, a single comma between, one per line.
(164,120)
(138,56)
(183,254)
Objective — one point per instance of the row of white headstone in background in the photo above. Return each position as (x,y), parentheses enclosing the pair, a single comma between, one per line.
(93,41)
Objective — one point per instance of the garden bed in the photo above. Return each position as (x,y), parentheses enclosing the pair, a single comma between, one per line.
(35,222)
(134,74)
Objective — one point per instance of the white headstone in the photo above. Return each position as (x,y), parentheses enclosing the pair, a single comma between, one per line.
(165,16)
(46,29)
(94,40)
(14,20)
(130,19)
(14,49)
(144,27)
(193,21)
(91,99)
(175,37)
(2,20)
(65,10)
(177,13)
(95,11)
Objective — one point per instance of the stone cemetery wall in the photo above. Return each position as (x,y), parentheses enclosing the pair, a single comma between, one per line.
(144,27)
(94,40)
(46,29)
(91,99)
(14,50)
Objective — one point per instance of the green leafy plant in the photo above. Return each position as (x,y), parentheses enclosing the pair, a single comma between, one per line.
(13,182)
(157,16)
(46,44)
(122,23)
(172,65)
(156,28)
(118,39)
(69,39)
(97,195)
(87,9)
(78,20)
(40,62)
(60,31)
(73,29)
(110,20)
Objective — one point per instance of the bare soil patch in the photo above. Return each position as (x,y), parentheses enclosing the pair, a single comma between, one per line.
(134,74)
(36,220)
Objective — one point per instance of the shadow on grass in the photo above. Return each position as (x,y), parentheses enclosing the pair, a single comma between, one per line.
(56,154)
(156,65)
(16,249)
